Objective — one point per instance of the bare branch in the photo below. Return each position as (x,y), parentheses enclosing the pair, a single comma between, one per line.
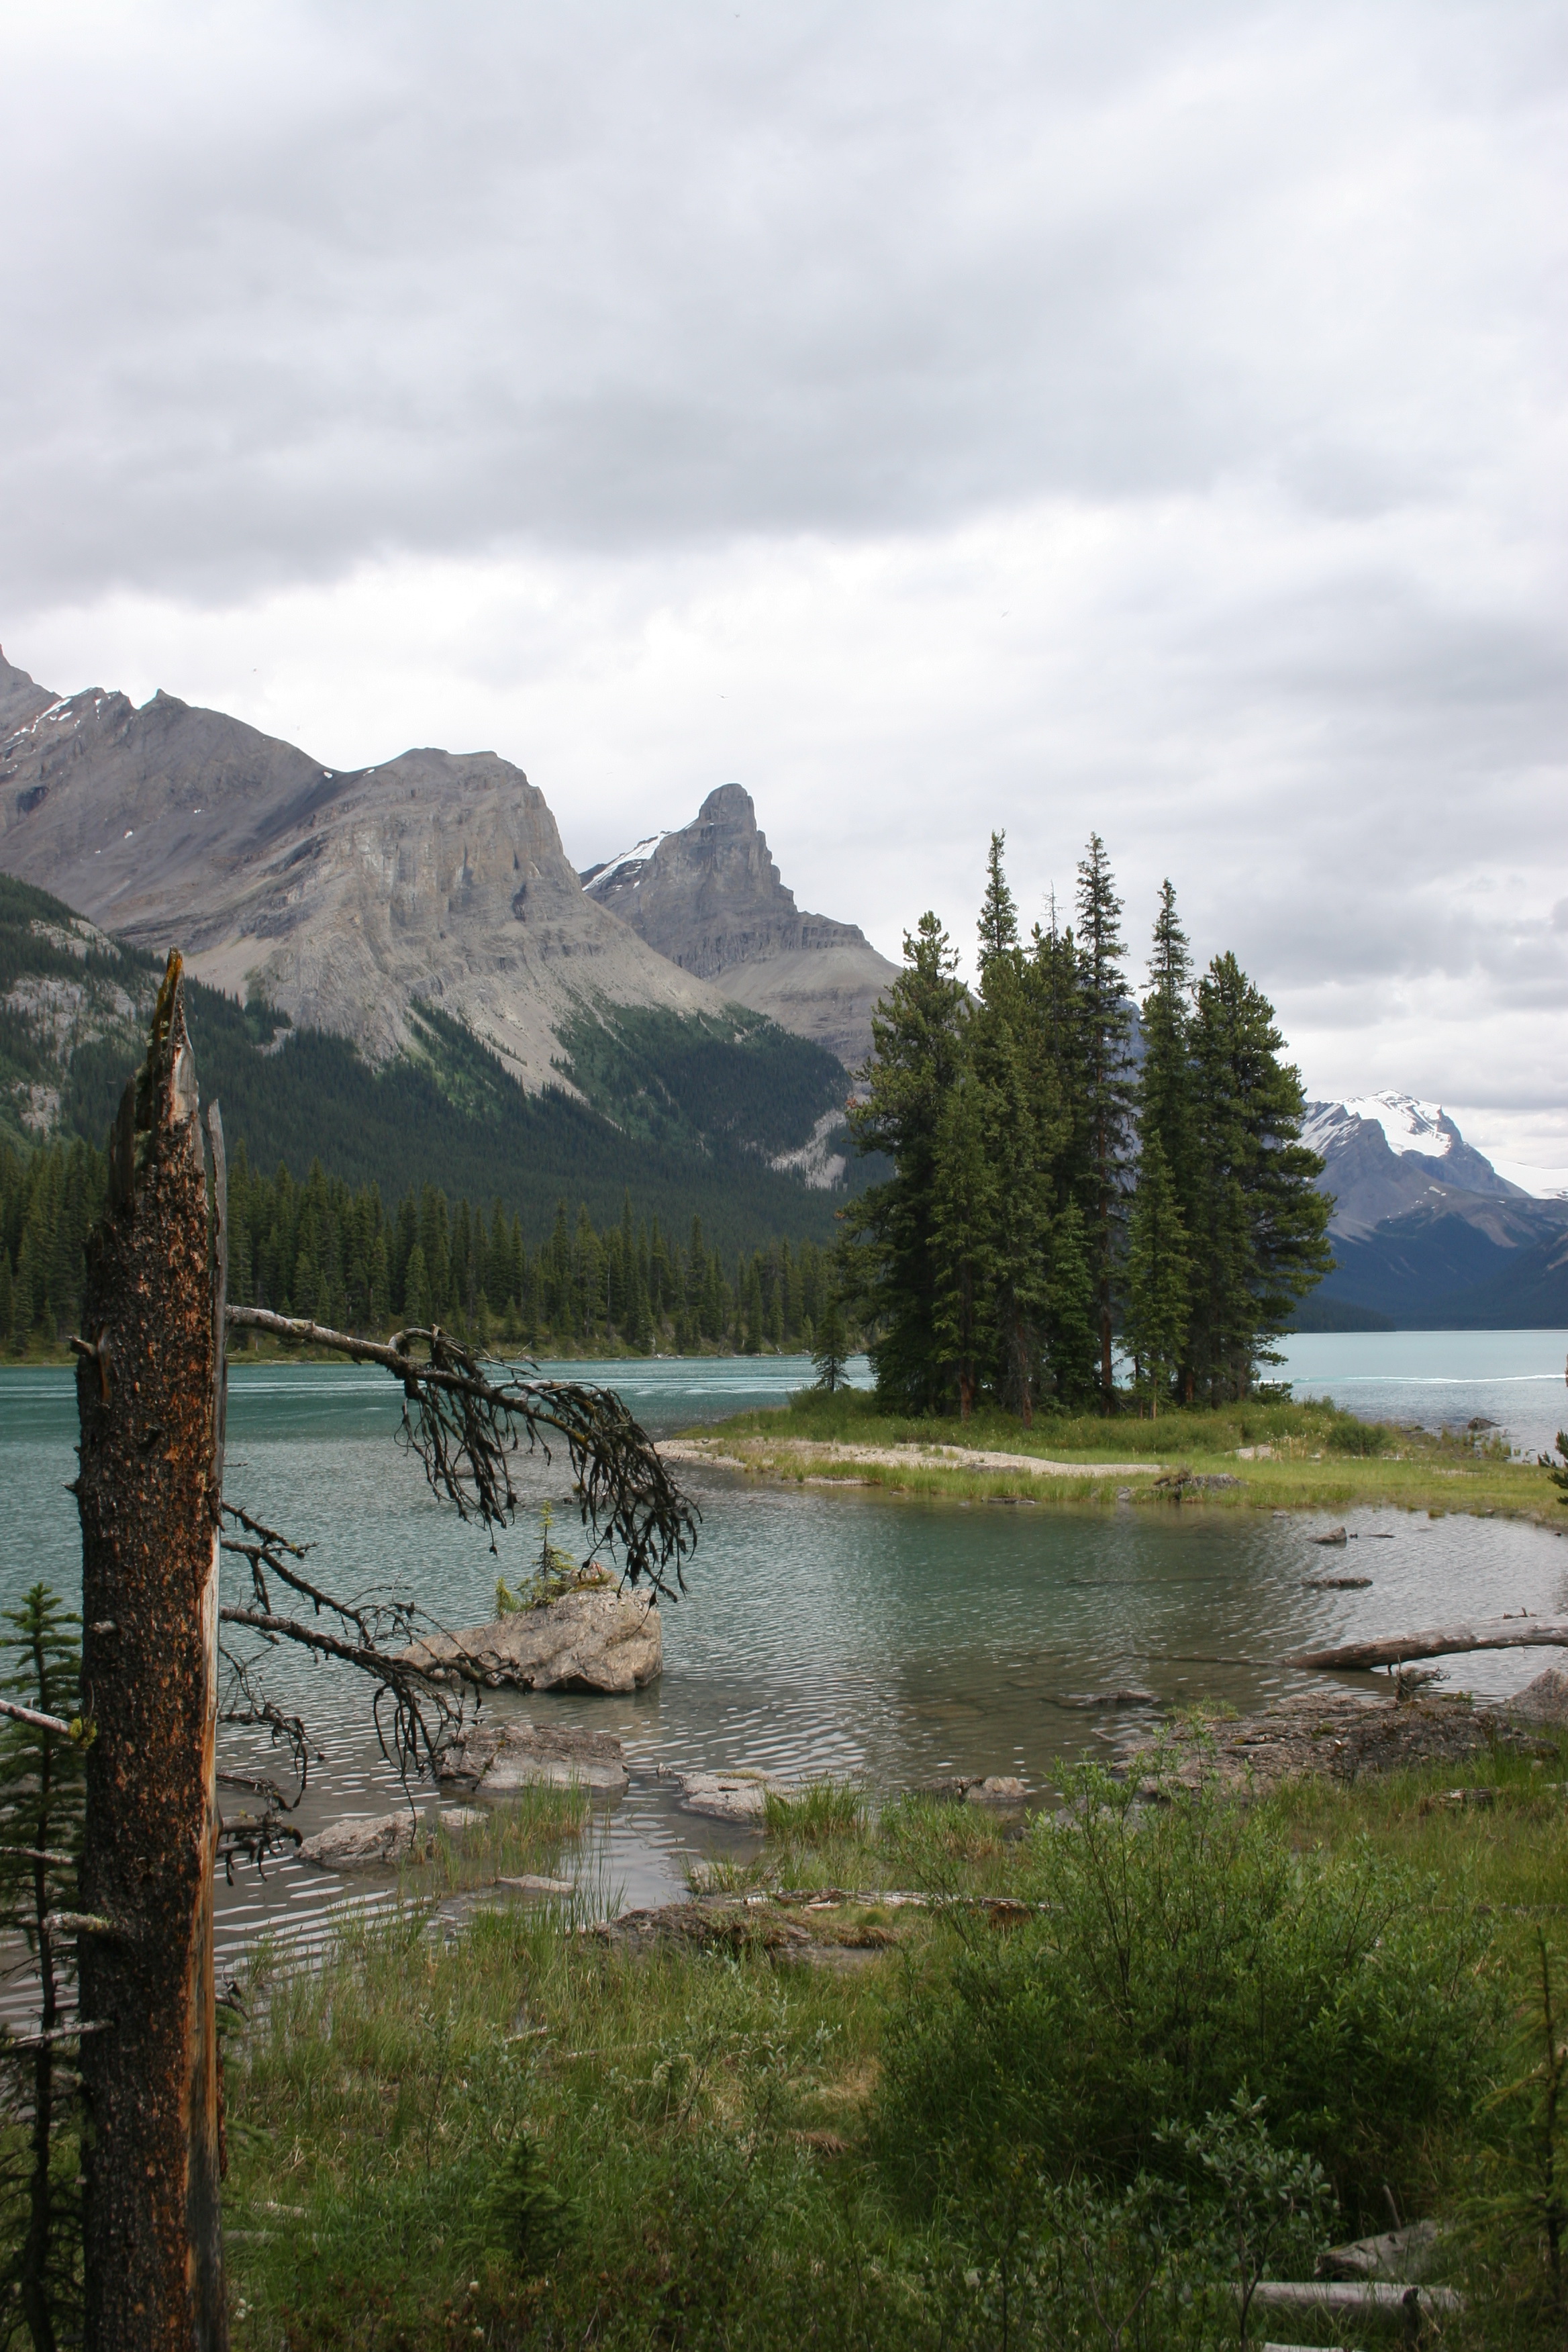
(39,1722)
(464,1426)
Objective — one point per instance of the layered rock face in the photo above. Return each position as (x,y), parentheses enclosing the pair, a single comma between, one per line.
(341,896)
(710,900)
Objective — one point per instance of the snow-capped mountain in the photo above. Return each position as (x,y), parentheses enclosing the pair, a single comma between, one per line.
(1387,1152)
(1427,1229)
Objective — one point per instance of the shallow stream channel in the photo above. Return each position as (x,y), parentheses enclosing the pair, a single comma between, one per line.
(845,1633)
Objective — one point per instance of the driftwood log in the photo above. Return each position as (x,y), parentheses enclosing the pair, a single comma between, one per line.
(1439,1642)
(1347,2295)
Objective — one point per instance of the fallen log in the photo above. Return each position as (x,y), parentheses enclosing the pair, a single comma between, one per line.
(1359,2294)
(1439,1642)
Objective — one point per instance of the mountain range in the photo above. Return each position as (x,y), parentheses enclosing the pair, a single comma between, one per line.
(671,1001)
(1427,1233)
(345,897)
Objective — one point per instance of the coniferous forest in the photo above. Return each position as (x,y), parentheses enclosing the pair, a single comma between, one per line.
(1094,1201)
(337,1254)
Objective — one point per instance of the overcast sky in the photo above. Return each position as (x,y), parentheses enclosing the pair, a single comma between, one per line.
(1146,416)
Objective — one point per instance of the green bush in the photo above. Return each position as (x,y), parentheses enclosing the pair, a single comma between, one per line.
(1348,1436)
(1184,1954)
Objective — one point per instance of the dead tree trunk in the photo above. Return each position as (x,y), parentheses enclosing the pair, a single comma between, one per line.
(149,1389)
(1438,1641)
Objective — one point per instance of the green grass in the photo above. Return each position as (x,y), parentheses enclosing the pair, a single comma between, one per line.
(1321,1459)
(510,2132)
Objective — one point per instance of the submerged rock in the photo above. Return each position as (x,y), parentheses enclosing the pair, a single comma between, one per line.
(364,1842)
(598,1640)
(378,1840)
(738,1796)
(496,1760)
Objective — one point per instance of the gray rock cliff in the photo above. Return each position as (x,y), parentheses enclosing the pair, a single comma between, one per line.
(342,896)
(709,897)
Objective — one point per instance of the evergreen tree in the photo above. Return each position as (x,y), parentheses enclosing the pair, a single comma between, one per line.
(1108,1091)
(1167,1103)
(417,1308)
(42,1783)
(1019,1096)
(830,1354)
(963,1217)
(918,1034)
(1261,1241)
(7,1299)
(1158,1276)
(1073,1339)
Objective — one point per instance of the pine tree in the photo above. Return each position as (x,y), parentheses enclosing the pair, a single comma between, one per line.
(42,1783)
(7,1297)
(417,1309)
(1261,1241)
(1108,1089)
(1072,1339)
(918,1035)
(1167,1104)
(1020,1092)
(1158,1276)
(830,1354)
(963,1216)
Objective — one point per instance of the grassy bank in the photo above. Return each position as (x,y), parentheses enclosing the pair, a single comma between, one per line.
(1307,1456)
(789,2121)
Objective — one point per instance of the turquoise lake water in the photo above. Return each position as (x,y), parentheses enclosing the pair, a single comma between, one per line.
(854,1633)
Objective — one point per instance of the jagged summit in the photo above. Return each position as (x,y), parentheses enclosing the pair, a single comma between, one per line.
(1387,1152)
(711,898)
(343,894)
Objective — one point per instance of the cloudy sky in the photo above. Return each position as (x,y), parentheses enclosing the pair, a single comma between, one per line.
(1148,417)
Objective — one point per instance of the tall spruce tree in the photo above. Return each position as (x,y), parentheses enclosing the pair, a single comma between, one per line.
(1017,1105)
(965,1189)
(918,1046)
(1159,1278)
(1261,1240)
(1108,1092)
(1167,1104)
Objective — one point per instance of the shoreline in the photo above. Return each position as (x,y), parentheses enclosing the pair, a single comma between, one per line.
(1239,1478)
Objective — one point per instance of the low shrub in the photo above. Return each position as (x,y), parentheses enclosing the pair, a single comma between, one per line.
(1362,1438)
(1183,1954)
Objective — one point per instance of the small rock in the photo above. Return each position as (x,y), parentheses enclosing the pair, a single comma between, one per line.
(1255,1453)
(1334,1536)
(1398,2255)
(999,1789)
(363,1842)
(459,1818)
(496,1760)
(1334,1583)
(738,1796)
(530,1884)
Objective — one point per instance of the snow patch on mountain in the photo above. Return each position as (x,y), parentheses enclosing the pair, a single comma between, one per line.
(1541,1183)
(1408,1124)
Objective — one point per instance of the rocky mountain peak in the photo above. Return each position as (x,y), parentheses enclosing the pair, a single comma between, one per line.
(710,897)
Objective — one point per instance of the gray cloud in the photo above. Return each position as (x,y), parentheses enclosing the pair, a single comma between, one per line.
(934,415)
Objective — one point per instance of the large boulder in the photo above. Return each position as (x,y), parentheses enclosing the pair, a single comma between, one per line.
(600,1640)
(1545,1700)
(497,1759)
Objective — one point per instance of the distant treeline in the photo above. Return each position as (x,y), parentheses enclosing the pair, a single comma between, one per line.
(339,1257)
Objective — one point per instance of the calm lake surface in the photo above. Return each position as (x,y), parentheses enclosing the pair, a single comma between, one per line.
(850,1634)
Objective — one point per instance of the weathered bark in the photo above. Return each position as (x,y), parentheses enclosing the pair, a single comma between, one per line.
(1440,1641)
(148,1386)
